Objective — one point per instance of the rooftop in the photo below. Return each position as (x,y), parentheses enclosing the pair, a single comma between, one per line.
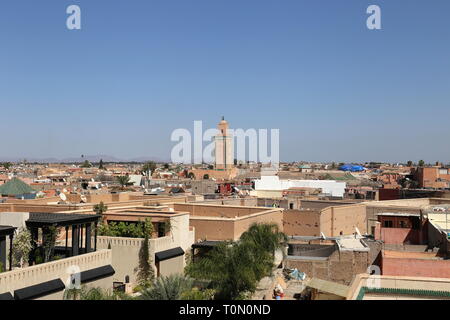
(15,187)
(39,219)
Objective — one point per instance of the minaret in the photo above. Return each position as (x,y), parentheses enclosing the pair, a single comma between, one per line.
(224,147)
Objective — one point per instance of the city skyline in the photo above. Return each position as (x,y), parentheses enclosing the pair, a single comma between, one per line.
(133,74)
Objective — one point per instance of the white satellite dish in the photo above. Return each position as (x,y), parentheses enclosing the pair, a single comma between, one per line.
(83,198)
(64,190)
(62,196)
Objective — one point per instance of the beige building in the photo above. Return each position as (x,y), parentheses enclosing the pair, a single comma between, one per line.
(226,222)
(224,147)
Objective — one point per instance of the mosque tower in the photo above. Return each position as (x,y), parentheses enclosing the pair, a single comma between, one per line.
(224,147)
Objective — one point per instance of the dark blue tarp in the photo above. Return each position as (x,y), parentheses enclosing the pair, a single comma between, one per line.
(351,168)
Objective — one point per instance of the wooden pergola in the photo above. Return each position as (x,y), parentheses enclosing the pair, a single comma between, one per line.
(79,224)
(6,231)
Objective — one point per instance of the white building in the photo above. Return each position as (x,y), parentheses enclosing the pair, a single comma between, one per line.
(334,188)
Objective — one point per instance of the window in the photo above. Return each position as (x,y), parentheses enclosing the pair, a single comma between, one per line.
(403,224)
(388,224)
(291,206)
(161,230)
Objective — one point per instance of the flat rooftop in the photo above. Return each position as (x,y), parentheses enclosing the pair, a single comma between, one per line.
(412,255)
(351,243)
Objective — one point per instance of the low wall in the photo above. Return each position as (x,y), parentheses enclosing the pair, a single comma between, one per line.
(25,277)
(400,236)
(339,267)
(125,255)
(218,228)
(415,267)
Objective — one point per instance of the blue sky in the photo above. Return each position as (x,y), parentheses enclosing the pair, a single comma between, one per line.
(139,69)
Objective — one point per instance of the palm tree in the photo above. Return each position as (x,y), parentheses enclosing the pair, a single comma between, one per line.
(149,166)
(168,288)
(230,269)
(234,268)
(123,181)
(100,208)
(266,236)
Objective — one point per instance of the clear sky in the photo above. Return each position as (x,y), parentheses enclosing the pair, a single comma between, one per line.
(138,69)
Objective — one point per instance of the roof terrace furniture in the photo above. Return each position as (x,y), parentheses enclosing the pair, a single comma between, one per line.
(4,232)
(77,222)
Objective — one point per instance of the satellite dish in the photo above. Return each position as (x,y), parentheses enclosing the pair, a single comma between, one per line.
(83,198)
(64,190)
(62,196)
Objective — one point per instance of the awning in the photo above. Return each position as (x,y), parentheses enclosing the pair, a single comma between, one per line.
(6,296)
(328,287)
(168,254)
(39,290)
(97,273)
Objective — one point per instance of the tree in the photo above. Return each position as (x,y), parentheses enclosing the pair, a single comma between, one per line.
(100,165)
(86,164)
(145,274)
(124,181)
(266,238)
(191,175)
(197,294)
(168,288)
(234,268)
(22,245)
(409,163)
(95,293)
(230,269)
(421,163)
(149,166)
(265,235)
(166,166)
(6,165)
(100,208)
(206,177)
(50,235)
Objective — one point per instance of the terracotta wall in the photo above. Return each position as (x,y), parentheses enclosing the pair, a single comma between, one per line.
(301,223)
(401,236)
(231,229)
(334,220)
(216,210)
(340,267)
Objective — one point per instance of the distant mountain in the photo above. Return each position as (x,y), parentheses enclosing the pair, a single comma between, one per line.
(90,158)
